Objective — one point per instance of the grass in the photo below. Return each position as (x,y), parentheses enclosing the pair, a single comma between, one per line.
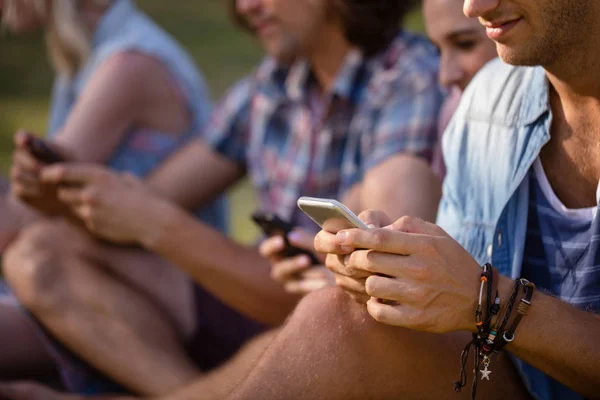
(222,52)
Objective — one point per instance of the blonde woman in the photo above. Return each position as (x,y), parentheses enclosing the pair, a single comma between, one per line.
(128,96)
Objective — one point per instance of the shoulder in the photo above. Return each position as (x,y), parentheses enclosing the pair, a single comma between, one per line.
(410,50)
(505,95)
(495,111)
(141,35)
(409,66)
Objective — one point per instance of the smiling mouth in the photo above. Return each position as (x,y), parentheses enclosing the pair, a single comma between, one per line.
(496,30)
(263,26)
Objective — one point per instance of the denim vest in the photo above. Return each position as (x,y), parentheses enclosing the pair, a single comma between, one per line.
(496,134)
(125,28)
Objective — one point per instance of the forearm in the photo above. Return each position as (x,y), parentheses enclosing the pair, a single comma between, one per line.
(177,178)
(561,341)
(236,274)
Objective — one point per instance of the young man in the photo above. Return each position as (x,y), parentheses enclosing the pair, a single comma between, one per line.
(521,193)
(343,104)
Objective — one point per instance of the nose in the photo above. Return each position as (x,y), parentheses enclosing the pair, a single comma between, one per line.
(247,6)
(451,73)
(476,8)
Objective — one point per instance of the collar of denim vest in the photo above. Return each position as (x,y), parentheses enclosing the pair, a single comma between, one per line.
(116,16)
(300,77)
(536,101)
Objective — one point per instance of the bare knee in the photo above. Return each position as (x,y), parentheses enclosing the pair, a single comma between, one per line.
(332,307)
(32,266)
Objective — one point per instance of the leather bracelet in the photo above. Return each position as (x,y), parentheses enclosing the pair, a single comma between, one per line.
(522,309)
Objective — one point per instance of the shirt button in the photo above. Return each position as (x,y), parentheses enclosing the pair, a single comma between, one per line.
(489,251)
(499,239)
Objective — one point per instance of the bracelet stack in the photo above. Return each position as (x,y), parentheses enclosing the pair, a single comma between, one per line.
(496,325)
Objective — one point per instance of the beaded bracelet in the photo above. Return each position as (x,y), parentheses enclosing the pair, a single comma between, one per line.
(482,321)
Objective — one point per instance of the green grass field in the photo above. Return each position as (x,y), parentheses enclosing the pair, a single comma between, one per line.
(222,52)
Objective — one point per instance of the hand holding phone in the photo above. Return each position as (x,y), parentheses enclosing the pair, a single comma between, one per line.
(272,225)
(40,150)
(332,216)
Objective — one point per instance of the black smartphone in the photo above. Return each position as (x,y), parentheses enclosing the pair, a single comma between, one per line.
(40,150)
(271,224)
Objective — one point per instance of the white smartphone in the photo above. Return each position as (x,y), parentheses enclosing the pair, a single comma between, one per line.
(329,214)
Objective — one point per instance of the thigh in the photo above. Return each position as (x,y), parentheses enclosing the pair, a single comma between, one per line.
(159,281)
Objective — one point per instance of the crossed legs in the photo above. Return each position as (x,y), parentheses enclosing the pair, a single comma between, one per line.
(124,311)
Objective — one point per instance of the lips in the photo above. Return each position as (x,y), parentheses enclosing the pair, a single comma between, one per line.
(497,30)
(263,26)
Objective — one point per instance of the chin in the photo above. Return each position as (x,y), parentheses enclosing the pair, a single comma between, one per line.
(282,56)
(518,57)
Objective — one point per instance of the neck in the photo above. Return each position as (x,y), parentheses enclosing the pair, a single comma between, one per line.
(327,57)
(575,75)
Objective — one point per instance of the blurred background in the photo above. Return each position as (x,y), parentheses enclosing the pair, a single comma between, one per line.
(222,52)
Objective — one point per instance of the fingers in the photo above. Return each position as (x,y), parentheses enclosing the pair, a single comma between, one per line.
(369,262)
(398,290)
(74,196)
(416,225)
(24,184)
(302,239)
(355,285)
(374,218)
(21,138)
(338,264)
(289,267)
(305,286)
(271,247)
(24,175)
(314,278)
(327,243)
(24,160)
(396,315)
(384,240)
(73,173)
(305,240)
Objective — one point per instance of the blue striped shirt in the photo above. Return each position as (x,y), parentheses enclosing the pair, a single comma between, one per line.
(561,256)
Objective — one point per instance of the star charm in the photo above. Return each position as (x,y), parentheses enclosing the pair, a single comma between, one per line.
(485,374)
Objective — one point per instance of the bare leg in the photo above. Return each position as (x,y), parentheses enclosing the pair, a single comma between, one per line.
(122,310)
(21,351)
(220,382)
(332,349)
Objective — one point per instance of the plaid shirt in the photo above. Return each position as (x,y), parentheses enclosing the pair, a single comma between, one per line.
(295,142)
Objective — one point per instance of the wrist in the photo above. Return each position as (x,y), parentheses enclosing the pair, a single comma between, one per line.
(160,226)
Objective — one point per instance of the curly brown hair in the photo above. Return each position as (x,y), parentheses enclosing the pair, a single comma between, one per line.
(368,24)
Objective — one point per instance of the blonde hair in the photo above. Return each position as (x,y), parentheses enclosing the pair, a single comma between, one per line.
(67,37)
